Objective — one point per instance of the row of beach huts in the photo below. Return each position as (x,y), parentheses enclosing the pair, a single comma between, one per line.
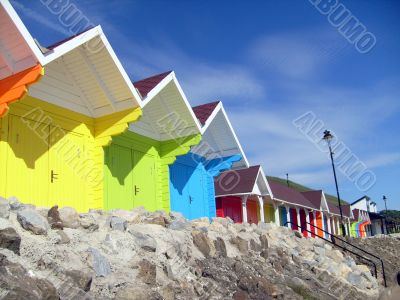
(76,131)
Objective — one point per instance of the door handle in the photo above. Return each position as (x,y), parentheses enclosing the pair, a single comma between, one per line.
(137,190)
(54,176)
(190,199)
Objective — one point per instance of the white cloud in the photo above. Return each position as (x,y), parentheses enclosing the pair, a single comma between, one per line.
(383,159)
(299,55)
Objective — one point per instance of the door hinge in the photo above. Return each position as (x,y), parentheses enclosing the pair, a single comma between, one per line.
(137,190)
(54,176)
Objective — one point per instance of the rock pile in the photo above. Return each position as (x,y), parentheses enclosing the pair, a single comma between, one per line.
(140,255)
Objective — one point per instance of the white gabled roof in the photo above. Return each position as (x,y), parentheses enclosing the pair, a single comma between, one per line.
(219,137)
(17,52)
(262,187)
(167,113)
(82,73)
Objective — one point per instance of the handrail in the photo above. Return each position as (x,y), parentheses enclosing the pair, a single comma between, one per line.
(343,248)
(358,248)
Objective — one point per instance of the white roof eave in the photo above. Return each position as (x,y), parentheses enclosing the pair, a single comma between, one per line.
(211,118)
(160,86)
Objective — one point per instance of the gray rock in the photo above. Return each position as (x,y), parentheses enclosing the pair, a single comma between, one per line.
(63,237)
(17,283)
(100,263)
(157,220)
(136,293)
(174,215)
(180,225)
(88,222)
(336,255)
(220,247)
(14,203)
(201,241)
(5,223)
(355,278)
(117,223)
(264,253)
(33,221)
(10,239)
(264,241)
(223,221)
(254,246)
(263,227)
(53,217)
(241,244)
(349,261)
(144,241)
(80,279)
(69,217)
(4,208)
(298,234)
(147,272)
(319,251)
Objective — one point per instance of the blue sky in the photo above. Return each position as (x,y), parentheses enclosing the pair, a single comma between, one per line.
(269,62)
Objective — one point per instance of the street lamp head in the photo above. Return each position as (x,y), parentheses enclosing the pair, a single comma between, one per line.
(327,136)
(384,198)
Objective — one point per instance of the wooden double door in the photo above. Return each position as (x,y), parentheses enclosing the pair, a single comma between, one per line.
(42,163)
(130,178)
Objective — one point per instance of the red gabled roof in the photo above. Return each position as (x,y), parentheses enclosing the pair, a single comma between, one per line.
(239,181)
(51,47)
(204,111)
(356,214)
(144,86)
(287,194)
(334,209)
(346,210)
(315,197)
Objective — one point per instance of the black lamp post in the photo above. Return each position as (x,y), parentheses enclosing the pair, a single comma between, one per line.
(386,214)
(328,138)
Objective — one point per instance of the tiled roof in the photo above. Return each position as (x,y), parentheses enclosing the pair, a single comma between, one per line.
(333,209)
(346,210)
(314,197)
(239,181)
(356,214)
(51,47)
(204,111)
(284,193)
(144,86)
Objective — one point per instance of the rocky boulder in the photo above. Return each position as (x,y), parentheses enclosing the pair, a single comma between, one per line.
(18,283)
(88,222)
(53,217)
(33,221)
(4,208)
(100,263)
(10,239)
(69,217)
(117,223)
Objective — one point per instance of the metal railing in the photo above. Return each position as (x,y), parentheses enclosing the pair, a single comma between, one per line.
(333,242)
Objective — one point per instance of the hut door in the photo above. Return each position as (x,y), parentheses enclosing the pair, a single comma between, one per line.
(27,175)
(118,177)
(67,173)
(179,186)
(196,200)
(144,184)
(252,212)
